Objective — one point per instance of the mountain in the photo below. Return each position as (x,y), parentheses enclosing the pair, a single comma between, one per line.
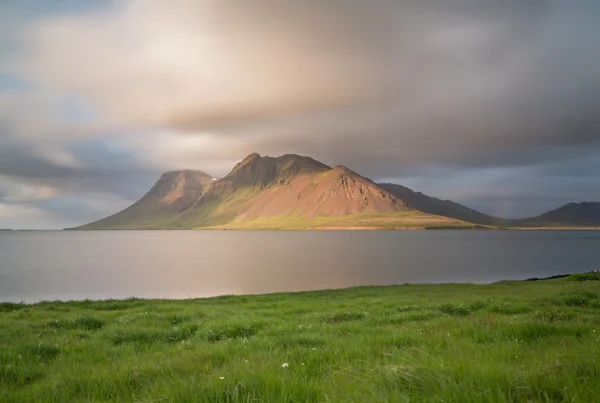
(286,192)
(173,193)
(432,205)
(297,192)
(586,214)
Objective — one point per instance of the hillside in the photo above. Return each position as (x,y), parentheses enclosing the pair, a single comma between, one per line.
(432,205)
(572,215)
(586,214)
(287,192)
(173,193)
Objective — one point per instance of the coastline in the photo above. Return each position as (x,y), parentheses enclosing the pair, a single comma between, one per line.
(593,275)
(348,228)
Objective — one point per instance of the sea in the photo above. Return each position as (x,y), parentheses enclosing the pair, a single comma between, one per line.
(78,265)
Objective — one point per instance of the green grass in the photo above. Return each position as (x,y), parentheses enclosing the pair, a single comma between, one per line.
(509,341)
(592,276)
(392,221)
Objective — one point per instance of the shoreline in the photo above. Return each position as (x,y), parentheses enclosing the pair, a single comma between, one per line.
(594,274)
(340,228)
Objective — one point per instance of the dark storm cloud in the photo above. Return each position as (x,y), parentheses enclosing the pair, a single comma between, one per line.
(94,167)
(465,74)
(461,83)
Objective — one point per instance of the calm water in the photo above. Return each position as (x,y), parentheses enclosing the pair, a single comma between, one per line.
(65,265)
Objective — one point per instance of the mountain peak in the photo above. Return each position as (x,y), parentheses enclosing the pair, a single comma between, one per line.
(174,185)
(183,174)
(249,160)
(255,170)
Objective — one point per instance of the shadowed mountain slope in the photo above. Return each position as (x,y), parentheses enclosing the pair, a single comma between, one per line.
(586,214)
(433,205)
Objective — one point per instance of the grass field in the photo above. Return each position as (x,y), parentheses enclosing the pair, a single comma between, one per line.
(393,221)
(508,341)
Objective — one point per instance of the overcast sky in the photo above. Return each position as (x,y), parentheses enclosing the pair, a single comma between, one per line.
(493,104)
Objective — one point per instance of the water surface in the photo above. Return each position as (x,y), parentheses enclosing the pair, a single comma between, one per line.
(49,265)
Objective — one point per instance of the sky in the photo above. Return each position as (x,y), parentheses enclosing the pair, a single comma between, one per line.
(493,104)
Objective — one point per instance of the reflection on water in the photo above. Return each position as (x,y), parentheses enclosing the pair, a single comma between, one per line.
(179,264)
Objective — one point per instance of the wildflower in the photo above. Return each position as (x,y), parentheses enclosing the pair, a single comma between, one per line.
(245,360)
(314,348)
(222,378)
(285,365)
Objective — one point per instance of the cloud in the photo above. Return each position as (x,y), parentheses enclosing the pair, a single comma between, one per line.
(17,192)
(391,88)
(179,63)
(469,76)
(14,214)
(76,167)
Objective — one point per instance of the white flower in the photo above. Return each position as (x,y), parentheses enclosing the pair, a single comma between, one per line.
(221,377)
(314,348)
(245,360)
(285,365)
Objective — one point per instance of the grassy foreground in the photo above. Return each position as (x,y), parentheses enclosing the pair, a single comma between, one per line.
(509,341)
